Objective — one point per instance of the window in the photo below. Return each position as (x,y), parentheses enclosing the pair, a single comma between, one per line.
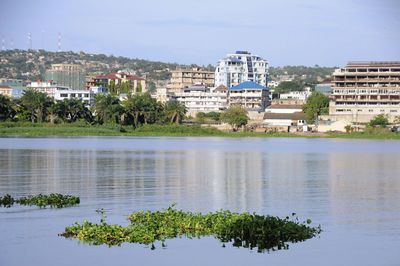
(63,95)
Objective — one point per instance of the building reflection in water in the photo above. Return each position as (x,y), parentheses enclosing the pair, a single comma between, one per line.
(207,180)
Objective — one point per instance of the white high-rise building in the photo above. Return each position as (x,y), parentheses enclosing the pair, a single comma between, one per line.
(240,67)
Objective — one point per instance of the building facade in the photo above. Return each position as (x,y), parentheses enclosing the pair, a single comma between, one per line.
(6,91)
(67,75)
(297,95)
(249,95)
(114,82)
(362,90)
(16,85)
(86,96)
(240,67)
(47,87)
(183,78)
(202,99)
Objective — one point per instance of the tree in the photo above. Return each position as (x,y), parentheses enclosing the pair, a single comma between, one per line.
(200,117)
(213,115)
(36,104)
(139,88)
(107,109)
(142,109)
(379,120)
(126,87)
(175,111)
(70,110)
(287,86)
(6,107)
(235,116)
(317,104)
(112,87)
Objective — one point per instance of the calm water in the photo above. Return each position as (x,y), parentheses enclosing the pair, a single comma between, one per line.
(350,187)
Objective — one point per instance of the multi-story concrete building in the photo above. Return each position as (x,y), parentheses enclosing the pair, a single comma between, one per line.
(362,90)
(16,85)
(116,79)
(86,96)
(240,67)
(199,98)
(183,78)
(297,95)
(60,92)
(47,87)
(67,75)
(6,90)
(249,95)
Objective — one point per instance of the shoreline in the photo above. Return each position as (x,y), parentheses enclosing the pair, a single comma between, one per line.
(29,129)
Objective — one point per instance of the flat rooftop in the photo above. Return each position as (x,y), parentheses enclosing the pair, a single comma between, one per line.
(374,64)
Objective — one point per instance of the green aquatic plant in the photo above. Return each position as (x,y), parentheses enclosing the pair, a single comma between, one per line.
(7,201)
(53,200)
(244,230)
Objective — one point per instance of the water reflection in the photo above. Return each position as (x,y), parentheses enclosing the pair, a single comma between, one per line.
(350,187)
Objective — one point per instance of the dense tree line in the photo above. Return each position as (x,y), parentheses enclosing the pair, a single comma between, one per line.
(311,72)
(135,110)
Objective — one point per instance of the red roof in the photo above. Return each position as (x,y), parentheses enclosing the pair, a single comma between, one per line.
(109,76)
(114,76)
(5,87)
(134,78)
(220,88)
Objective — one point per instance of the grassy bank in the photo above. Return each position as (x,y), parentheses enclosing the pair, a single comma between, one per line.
(79,129)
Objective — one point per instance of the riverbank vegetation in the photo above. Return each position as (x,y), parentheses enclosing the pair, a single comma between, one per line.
(244,230)
(36,114)
(42,201)
(174,130)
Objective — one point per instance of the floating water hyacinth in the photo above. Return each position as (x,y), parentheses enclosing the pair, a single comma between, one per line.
(52,200)
(244,230)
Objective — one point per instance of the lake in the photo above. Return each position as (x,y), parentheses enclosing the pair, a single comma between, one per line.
(350,187)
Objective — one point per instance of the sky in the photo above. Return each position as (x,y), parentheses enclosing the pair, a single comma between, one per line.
(284,32)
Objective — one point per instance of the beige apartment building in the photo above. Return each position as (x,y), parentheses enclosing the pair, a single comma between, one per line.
(6,90)
(362,90)
(182,78)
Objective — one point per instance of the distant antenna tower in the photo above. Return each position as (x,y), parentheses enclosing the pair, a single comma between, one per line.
(3,43)
(30,41)
(59,42)
(12,44)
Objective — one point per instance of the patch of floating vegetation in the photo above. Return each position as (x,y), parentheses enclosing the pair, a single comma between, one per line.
(245,230)
(53,200)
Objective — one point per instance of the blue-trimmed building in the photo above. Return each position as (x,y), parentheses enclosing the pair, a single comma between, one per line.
(249,95)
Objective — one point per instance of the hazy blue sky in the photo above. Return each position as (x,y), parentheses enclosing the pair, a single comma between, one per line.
(285,32)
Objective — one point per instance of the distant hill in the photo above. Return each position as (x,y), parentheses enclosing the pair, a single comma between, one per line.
(31,65)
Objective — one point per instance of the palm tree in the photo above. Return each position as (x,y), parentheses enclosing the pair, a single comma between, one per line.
(107,108)
(175,111)
(142,109)
(6,107)
(73,109)
(36,104)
